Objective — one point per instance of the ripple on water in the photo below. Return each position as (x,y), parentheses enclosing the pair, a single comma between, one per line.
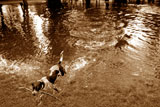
(91,45)
(95,29)
(89,31)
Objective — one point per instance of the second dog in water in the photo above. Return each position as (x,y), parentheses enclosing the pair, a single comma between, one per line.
(48,81)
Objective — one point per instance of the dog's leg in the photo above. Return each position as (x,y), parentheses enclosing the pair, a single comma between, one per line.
(40,100)
(55,88)
(41,96)
(39,104)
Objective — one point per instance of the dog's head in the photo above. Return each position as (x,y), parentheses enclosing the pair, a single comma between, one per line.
(37,86)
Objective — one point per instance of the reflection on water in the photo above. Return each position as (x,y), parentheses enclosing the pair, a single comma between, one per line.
(143,38)
(83,34)
(13,16)
(38,22)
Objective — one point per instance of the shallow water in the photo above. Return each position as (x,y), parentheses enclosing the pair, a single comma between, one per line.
(32,43)
(104,51)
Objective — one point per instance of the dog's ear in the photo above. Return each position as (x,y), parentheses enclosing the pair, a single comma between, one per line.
(32,84)
(56,71)
(33,87)
(43,85)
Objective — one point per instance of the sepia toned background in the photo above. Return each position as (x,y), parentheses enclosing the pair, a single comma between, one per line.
(111,52)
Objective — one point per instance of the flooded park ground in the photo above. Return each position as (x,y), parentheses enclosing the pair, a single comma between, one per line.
(112,56)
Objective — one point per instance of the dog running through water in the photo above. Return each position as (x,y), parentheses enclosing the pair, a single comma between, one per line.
(48,81)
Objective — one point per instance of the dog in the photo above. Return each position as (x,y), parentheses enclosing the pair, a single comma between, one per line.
(48,81)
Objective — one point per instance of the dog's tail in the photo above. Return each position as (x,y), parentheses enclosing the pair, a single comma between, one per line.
(61,58)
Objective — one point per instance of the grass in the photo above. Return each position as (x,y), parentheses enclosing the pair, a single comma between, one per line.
(105,83)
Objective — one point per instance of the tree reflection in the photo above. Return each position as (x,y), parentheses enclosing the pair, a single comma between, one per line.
(88,2)
(107,4)
(24,7)
(2,18)
(54,5)
(16,42)
(150,1)
(138,1)
(120,3)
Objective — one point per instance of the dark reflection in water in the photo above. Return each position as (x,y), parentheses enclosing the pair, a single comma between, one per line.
(84,34)
(16,42)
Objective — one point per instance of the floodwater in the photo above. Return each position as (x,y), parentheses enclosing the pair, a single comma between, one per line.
(30,44)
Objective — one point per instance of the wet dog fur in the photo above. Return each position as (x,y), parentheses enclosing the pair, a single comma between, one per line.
(48,81)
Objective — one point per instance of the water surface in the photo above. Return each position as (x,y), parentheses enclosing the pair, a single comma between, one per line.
(30,44)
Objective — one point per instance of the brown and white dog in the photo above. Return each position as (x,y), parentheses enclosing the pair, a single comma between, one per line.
(48,81)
